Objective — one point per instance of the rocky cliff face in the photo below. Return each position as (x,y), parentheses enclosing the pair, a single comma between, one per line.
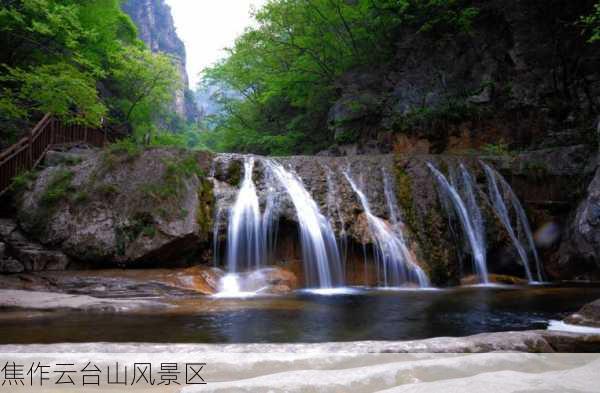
(524,75)
(157,29)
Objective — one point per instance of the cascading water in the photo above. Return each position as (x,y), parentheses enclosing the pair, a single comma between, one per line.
(390,197)
(244,234)
(244,238)
(469,224)
(469,195)
(496,196)
(320,253)
(395,262)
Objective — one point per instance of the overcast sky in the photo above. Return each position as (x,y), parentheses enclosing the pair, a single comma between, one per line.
(208,26)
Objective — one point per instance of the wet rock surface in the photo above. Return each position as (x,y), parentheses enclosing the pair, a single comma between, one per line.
(53,301)
(156,283)
(589,315)
(536,341)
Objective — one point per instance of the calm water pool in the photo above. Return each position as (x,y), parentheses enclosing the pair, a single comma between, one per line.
(306,317)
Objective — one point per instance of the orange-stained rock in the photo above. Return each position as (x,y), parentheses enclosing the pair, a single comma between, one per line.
(410,145)
(200,279)
(495,279)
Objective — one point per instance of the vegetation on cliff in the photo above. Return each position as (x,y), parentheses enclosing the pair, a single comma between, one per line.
(314,73)
(286,68)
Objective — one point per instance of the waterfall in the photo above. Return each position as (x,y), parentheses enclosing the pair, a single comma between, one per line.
(320,253)
(496,196)
(469,193)
(391,253)
(244,233)
(390,197)
(469,222)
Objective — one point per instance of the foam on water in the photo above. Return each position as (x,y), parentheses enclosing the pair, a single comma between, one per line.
(561,326)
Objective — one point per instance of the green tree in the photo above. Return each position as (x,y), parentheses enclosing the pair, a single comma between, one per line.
(144,83)
(592,24)
(80,61)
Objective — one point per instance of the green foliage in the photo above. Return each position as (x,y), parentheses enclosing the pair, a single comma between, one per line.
(122,151)
(59,187)
(427,118)
(82,62)
(23,182)
(285,69)
(142,223)
(125,146)
(106,191)
(347,136)
(177,171)
(144,85)
(592,24)
(80,197)
(496,149)
(204,215)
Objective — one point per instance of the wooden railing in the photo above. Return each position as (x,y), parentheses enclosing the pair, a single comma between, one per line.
(27,153)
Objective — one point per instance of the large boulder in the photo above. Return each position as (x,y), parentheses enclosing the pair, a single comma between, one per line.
(122,205)
(580,249)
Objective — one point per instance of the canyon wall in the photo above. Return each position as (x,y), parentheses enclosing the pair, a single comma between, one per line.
(156,28)
(523,76)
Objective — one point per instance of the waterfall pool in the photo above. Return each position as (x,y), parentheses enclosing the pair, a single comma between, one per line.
(305,316)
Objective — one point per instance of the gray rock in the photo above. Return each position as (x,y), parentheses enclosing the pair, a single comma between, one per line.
(7,226)
(133,208)
(2,250)
(71,157)
(28,255)
(10,265)
(51,300)
(580,247)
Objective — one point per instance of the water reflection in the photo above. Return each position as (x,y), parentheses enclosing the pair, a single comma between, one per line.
(308,317)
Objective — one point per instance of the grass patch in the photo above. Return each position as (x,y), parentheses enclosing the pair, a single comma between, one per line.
(176,172)
(496,149)
(81,197)
(106,191)
(23,182)
(123,151)
(58,188)
(142,223)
